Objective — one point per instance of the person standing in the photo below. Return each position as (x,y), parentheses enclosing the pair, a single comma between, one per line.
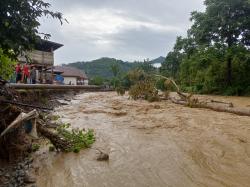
(25,73)
(18,72)
(33,75)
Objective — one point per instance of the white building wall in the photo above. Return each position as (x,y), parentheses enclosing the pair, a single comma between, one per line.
(86,82)
(68,79)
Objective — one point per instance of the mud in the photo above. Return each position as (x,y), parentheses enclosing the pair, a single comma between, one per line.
(151,144)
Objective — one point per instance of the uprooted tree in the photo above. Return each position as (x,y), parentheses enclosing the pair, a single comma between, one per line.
(190,101)
(144,86)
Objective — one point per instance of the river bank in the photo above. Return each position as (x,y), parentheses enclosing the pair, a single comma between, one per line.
(17,146)
(150,144)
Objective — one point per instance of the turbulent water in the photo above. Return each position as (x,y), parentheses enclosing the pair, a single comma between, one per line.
(151,144)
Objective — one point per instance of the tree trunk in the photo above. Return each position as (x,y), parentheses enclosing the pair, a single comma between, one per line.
(211,106)
(229,61)
(229,71)
(54,138)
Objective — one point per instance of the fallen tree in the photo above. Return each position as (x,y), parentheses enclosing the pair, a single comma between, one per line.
(212,106)
(55,139)
(145,88)
(63,139)
(190,101)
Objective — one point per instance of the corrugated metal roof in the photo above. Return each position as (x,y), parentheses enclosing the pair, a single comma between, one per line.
(70,72)
(46,45)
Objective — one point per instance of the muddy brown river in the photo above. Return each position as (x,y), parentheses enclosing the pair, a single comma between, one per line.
(151,145)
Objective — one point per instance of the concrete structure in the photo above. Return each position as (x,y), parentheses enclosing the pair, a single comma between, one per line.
(55,87)
(42,57)
(72,76)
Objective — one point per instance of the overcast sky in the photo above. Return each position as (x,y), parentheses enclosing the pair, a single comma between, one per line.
(124,29)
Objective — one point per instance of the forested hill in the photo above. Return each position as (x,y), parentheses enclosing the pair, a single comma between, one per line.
(102,67)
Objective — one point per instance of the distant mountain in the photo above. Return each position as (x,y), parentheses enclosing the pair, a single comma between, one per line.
(158,60)
(102,67)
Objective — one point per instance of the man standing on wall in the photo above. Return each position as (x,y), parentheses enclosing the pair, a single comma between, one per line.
(25,73)
(33,75)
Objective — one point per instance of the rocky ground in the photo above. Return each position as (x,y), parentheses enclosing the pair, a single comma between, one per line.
(17,175)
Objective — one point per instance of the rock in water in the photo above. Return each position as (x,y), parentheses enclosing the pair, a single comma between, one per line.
(103,157)
(29,179)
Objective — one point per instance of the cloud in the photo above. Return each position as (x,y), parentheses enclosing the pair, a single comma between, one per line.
(128,30)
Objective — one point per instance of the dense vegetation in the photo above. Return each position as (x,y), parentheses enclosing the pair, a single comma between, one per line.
(214,57)
(102,68)
(106,70)
(78,139)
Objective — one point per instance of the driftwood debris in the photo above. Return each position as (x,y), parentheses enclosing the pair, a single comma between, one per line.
(189,100)
(56,140)
(222,102)
(18,121)
(25,105)
(19,126)
(212,106)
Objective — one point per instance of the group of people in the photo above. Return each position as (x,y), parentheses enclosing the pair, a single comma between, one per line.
(25,74)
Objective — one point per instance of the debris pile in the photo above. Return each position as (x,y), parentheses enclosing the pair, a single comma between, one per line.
(145,89)
(23,119)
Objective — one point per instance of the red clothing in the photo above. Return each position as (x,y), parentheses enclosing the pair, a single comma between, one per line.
(18,69)
(26,70)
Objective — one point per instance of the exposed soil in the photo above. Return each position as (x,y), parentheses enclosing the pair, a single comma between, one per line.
(16,146)
(151,144)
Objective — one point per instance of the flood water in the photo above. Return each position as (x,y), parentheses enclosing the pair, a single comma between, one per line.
(151,144)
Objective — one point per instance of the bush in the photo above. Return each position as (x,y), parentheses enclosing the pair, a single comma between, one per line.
(7,66)
(79,139)
(144,90)
(98,81)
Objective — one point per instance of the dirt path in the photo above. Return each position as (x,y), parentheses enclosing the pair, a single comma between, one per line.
(151,144)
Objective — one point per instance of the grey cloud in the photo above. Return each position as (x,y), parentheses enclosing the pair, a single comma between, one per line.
(127,44)
(144,42)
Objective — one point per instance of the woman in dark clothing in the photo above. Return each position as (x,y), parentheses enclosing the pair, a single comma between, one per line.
(18,73)
(33,75)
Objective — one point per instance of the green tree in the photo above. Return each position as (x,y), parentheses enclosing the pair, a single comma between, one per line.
(98,81)
(6,66)
(19,22)
(184,47)
(115,69)
(170,67)
(202,72)
(147,67)
(226,22)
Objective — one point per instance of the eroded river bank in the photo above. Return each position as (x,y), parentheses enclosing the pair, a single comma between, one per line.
(151,144)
